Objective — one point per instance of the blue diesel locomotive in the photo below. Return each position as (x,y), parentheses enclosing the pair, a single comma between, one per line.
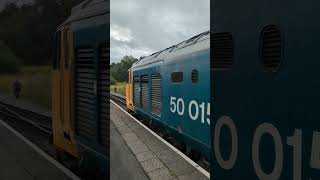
(170,88)
(265,77)
(80,88)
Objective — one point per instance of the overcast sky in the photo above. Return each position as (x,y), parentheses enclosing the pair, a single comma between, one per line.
(141,27)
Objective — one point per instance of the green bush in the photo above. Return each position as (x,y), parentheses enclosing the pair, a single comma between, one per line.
(36,84)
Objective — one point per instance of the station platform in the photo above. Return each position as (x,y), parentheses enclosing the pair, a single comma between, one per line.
(123,164)
(144,152)
(22,160)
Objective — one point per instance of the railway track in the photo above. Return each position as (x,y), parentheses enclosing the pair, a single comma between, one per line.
(118,98)
(38,128)
(121,101)
(35,127)
(43,123)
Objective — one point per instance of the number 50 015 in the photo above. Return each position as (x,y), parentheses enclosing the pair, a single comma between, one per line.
(295,141)
(195,110)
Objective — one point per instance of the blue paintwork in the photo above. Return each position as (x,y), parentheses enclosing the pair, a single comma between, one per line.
(89,21)
(192,132)
(94,159)
(92,37)
(288,99)
(93,155)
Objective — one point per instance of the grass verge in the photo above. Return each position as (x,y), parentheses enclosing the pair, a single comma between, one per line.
(120,88)
(36,84)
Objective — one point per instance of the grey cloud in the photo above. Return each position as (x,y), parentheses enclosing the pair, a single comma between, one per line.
(155,25)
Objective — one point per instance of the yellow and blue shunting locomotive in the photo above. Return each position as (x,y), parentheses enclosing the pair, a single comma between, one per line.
(170,88)
(80,87)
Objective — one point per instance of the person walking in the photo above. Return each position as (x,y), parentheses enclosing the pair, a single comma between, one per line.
(17,86)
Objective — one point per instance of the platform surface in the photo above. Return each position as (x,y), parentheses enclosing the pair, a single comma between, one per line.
(20,160)
(123,164)
(157,159)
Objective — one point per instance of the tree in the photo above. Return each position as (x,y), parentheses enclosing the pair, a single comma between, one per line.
(8,61)
(119,71)
(28,30)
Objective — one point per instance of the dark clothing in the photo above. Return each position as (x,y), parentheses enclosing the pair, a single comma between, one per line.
(17,88)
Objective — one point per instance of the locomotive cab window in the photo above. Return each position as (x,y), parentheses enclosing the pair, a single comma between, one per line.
(57,53)
(194,76)
(67,48)
(176,77)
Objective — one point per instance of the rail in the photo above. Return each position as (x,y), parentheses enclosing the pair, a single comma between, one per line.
(118,98)
(43,123)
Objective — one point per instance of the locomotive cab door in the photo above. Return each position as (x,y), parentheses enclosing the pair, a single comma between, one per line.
(62,97)
(56,87)
(129,91)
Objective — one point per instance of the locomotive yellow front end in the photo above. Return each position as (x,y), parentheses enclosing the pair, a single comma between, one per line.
(62,116)
(129,92)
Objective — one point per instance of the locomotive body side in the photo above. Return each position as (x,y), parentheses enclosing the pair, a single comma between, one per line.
(172,90)
(269,94)
(91,94)
(80,88)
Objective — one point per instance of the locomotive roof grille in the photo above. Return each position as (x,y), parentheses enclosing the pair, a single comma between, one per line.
(190,41)
(193,40)
(92,3)
(87,9)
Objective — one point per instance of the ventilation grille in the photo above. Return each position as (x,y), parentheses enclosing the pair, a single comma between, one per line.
(85,111)
(145,92)
(222,51)
(156,93)
(136,93)
(271,48)
(103,98)
(194,76)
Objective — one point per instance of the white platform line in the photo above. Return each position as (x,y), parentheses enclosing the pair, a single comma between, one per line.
(195,165)
(39,151)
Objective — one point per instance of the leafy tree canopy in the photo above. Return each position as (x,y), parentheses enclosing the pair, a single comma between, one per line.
(119,71)
(8,61)
(28,30)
